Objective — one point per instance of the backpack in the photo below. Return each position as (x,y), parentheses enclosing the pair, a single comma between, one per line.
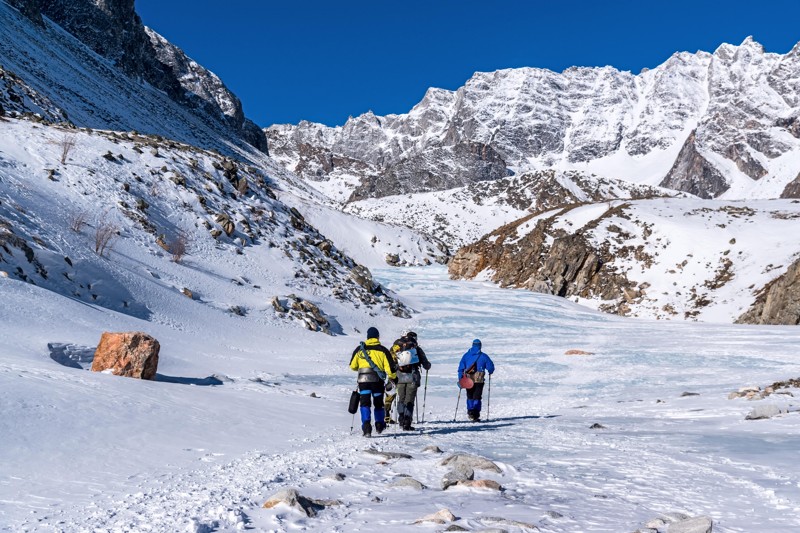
(407,357)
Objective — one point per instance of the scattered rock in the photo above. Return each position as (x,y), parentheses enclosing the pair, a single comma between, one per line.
(387,455)
(432,449)
(308,506)
(685,394)
(132,354)
(186,292)
(470,461)
(507,522)
(407,482)
(554,515)
(314,395)
(458,474)
(443,516)
(762,412)
(699,524)
(597,426)
(456,527)
(577,352)
(337,476)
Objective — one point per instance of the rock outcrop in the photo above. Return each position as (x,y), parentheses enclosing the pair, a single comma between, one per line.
(133,354)
(778,302)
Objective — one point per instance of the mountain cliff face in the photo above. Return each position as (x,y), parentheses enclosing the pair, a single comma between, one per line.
(714,125)
(112,29)
(659,258)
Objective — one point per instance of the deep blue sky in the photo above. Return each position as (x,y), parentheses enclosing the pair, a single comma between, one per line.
(326,60)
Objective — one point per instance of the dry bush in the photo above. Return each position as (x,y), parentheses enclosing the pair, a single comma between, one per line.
(65,144)
(77,220)
(105,233)
(178,247)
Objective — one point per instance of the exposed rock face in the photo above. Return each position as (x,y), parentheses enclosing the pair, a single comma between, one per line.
(113,29)
(792,189)
(778,302)
(532,119)
(133,355)
(693,173)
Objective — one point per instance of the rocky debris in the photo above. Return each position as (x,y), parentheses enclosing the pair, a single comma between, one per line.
(464,460)
(577,352)
(188,293)
(392,259)
(443,516)
(290,497)
(457,475)
(387,455)
(224,220)
(778,302)
(337,476)
(761,412)
(480,484)
(687,394)
(407,482)
(597,426)
(133,354)
(308,313)
(694,174)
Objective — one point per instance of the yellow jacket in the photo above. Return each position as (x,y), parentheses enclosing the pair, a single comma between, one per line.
(379,355)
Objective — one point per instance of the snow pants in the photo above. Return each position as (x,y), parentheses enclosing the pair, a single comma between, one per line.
(371,394)
(474,396)
(406,394)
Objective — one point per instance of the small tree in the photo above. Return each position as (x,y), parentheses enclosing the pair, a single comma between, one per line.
(105,233)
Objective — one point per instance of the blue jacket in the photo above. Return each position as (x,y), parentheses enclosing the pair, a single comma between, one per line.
(474,354)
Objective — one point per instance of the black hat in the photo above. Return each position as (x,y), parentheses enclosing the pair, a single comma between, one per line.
(411,334)
(372,333)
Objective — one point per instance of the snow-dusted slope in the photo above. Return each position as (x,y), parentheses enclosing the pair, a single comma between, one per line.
(721,124)
(661,258)
(243,245)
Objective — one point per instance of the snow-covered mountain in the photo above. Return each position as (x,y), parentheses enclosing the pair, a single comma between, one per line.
(724,125)
(659,258)
(102,68)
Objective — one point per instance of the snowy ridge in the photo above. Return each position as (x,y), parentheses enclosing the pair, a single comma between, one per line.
(740,102)
(463,215)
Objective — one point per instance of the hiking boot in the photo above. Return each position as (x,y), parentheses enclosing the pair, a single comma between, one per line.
(409,427)
(379,427)
(388,421)
(366,427)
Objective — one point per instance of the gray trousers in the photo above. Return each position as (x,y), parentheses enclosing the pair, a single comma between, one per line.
(406,393)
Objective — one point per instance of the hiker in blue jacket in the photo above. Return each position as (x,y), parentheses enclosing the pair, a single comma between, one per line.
(475,364)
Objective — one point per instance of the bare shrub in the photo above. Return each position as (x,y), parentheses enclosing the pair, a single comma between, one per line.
(65,145)
(105,233)
(178,247)
(77,220)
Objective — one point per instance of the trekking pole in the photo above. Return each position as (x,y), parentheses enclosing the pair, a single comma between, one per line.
(424,396)
(457,401)
(352,423)
(489,398)
(416,404)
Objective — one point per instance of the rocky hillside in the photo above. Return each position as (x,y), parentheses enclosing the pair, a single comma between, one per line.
(462,215)
(716,125)
(660,258)
(129,222)
(71,51)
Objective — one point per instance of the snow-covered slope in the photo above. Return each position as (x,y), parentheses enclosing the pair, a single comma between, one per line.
(722,124)
(243,246)
(660,258)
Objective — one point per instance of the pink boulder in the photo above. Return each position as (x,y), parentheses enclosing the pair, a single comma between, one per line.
(133,354)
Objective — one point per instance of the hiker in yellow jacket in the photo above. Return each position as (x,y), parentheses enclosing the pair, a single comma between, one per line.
(374,365)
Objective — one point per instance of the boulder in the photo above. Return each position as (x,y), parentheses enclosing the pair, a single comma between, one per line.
(699,524)
(480,484)
(132,354)
(455,476)
(387,455)
(577,352)
(432,449)
(763,411)
(470,461)
(407,482)
(442,516)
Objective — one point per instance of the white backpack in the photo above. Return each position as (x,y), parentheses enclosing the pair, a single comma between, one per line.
(407,357)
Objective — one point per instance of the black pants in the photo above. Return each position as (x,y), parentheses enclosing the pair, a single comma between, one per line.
(474,396)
